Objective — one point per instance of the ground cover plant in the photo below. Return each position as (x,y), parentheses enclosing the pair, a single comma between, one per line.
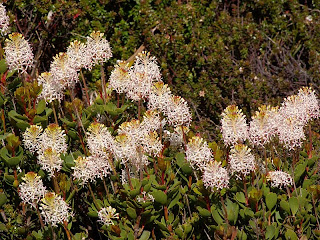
(90,152)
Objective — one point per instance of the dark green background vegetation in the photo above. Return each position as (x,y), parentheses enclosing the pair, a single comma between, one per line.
(244,52)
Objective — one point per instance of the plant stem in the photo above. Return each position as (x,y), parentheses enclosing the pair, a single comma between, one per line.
(224,209)
(39,215)
(85,87)
(54,113)
(245,189)
(93,197)
(103,83)
(65,225)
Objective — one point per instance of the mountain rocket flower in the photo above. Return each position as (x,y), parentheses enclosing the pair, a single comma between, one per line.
(50,90)
(178,112)
(198,153)
(263,125)
(143,74)
(31,138)
(32,189)
(234,126)
(279,179)
(63,73)
(214,176)
(54,209)
(241,160)
(119,79)
(107,214)
(18,53)
(98,48)
(78,55)
(50,160)
(4,20)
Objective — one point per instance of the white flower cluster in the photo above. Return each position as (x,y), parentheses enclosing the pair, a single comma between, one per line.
(48,145)
(174,107)
(136,139)
(65,67)
(63,73)
(241,161)
(279,179)
(32,189)
(234,127)
(107,214)
(98,48)
(92,167)
(286,122)
(136,81)
(215,176)
(4,20)
(263,125)
(295,112)
(18,53)
(54,209)
(145,197)
(50,91)
(143,81)
(198,154)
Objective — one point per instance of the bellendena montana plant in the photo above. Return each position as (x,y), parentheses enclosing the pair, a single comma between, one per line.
(122,159)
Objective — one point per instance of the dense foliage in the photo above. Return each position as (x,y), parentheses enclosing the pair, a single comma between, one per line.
(212,53)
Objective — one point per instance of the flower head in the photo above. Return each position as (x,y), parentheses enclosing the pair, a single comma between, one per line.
(99,138)
(145,197)
(98,47)
(50,160)
(178,112)
(4,20)
(198,153)
(152,144)
(263,125)
(18,52)
(54,209)
(241,160)
(63,73)
(78,55)
(55,138)
(234,126)
(107,214)
(151,121)
(279,179)
(119,79)
(142,74)
(160,96)
(290,132)
(31,138)
(50,90)
(32,189)
(214,176)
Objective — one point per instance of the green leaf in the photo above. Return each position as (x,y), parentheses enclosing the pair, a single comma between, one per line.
(290,235)
(294,205)
(93,214)
(271,200)
(131,212)
(160,197)
(203,212)
(145,235)
(299,170)
(174,201)
(40,119)
(216,216)
(41,106)
(270,232)
(22,125)
(240,197)
(183,164)
(284,205)
(3,199)
(3,66)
